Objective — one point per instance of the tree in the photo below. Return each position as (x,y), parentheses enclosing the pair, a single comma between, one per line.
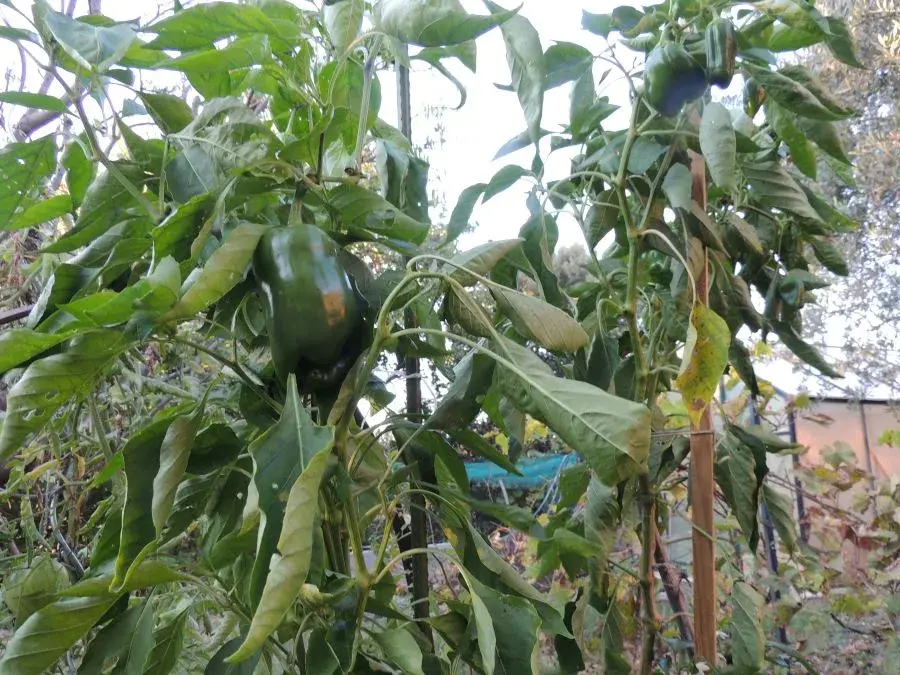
(857,317)
(192,372)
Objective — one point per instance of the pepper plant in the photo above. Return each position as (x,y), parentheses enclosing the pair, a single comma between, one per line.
(236,229)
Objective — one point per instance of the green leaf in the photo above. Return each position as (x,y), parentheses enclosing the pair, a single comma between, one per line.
(480,260)
(202,25)
(788,87)
(644,153)
(23,168)
(459,218)
(527,67)
(537,320)
(515,623)
(44,211)
(598,24)
(611,434)
(602,217)
(113,640)
(25,591)
(36,101)
(18,345)
(802,152)
(466,52)
(825,251)
(502,180)
(735,472)
(170,112)
(745,230)
(343,21)
(16,34)
(92,47)
(772,186)
(433,23)
(677,186)
(781,513)
(106,203)
(365,211)
(540,235)
(139,642)
(719,145)
(142,464)
(173,459)
(840,42)
(80,171)
(312,445)
(804,351)
(566,61)
(705,358)
(461,404)
(401,649)
(601,521)
(817,88)
(748,643)
(789,39)
(242,53)
(483,448)
(279,459)
(167,644)
(47,384)
(225,268)
(218,664)
(50,632)
(601,361)
(825,135)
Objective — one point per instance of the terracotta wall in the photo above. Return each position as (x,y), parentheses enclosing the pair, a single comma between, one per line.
(827,422)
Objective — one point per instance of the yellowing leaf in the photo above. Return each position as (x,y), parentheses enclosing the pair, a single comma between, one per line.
(705,358)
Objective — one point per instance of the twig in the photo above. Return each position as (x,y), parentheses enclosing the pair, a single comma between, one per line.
(859,631)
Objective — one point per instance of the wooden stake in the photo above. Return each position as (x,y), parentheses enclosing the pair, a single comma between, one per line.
(702,481)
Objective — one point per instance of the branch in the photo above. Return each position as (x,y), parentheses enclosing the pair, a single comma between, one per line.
(38,119)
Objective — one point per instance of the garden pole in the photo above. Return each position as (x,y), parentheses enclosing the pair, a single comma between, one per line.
(418,521)
(702,482)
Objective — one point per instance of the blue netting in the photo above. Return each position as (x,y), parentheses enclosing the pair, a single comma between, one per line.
(535,471)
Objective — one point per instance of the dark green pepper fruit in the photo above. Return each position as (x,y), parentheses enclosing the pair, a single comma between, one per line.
(311,306)
(720,50)
(754,97)
(672,78)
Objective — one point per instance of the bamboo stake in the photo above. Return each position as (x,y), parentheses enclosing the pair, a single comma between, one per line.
(702,482)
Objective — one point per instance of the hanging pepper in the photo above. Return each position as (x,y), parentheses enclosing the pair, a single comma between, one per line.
(754,97)
(720,50)
(311,305)
(672,78)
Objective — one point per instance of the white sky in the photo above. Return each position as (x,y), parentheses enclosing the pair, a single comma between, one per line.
(474,133)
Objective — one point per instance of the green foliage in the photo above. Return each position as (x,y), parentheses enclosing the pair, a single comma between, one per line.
(234,488)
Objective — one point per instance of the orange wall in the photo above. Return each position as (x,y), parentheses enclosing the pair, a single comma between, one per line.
(827,422)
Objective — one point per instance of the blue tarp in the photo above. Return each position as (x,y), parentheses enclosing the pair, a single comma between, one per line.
(535,471)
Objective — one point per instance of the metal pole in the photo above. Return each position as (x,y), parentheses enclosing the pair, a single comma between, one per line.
(418,514)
